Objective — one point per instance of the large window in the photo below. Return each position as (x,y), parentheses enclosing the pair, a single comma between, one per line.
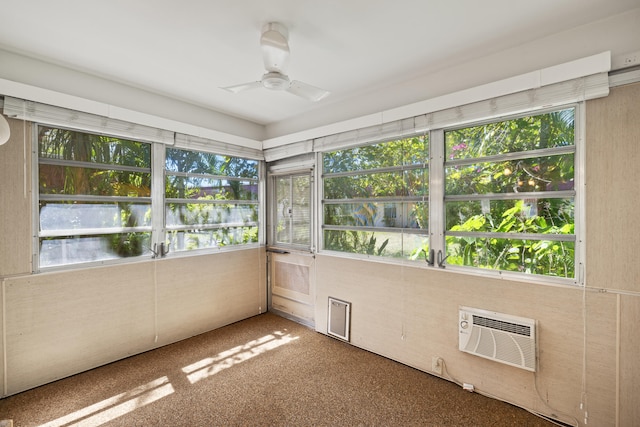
(503,197)
(376,199)
(211,200)
(510,196)
(96,201)
(94,197)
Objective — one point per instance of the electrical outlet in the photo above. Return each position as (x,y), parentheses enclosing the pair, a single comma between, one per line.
(436,364)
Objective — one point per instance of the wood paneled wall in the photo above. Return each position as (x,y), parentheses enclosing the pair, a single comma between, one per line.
(60,323)
(15,197)
(587,337)
(613,203)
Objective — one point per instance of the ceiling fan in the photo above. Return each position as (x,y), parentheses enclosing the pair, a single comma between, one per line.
(275,54)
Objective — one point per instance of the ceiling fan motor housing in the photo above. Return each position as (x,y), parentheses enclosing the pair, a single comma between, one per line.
(276,81)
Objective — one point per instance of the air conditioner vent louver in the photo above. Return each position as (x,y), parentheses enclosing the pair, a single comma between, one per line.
(499,337)
(499,325)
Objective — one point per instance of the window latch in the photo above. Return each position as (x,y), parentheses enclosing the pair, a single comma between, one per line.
(164,250)
(430,261)
(441,260)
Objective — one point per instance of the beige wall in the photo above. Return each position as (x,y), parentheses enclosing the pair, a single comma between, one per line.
(60,323)
(56,324)
(410,314)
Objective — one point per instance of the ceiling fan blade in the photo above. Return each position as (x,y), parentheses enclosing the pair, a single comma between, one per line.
(243,87)
(306,91)
(275,47)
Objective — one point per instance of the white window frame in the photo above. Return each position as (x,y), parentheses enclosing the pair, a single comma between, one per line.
(404,200)
(579,205)
(187,227)
(300,163)
(158,228)
(437,197)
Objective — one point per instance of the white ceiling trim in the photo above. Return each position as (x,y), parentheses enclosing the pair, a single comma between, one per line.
(567,71)
(71,102)
(590,65)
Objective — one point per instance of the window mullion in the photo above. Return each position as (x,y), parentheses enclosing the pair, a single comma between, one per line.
(436,191)
(158,210)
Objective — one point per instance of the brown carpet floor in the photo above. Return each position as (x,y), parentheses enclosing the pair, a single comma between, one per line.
(263,371)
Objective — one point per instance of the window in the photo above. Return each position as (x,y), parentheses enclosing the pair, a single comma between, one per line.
(211,200)
(502,194)
(376,199)
(292,210)
(94,197)
(510,196)
(96,201)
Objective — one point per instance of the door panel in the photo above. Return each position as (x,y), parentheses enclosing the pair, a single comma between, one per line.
(292,285)
(292,289)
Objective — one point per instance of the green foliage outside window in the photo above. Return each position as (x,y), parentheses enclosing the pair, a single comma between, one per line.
(198,184)
(384,186)
(546,206)
(509,196)
(78,174)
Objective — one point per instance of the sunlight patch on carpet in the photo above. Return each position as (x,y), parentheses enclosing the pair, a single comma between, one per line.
(116,406)
(212,365)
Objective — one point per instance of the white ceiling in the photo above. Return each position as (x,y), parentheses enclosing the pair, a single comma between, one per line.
(357,49)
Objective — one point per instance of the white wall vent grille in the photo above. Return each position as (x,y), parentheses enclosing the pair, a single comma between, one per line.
(339,318)
(496,336)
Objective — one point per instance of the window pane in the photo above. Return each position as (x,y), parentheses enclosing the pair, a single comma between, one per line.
(55,179)
(178,214)
(63,144)
(551,173)
(415,150)
(57,251)
(181,240)
(387,244)
(79,216)
(210,222)
(364,214)
(410,179)
(545,216)
(386,154)
(546,257)
(75,231)
(517,173)
(387,184)
(382,214)
(209,188)
(187,161)
(293,210)
(363,158)
(301,214)
(416,246)
(418,215)
(364,242)
(417,182)
(284,210)
(549,130)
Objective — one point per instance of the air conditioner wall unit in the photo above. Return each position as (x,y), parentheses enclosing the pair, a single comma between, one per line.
(496,336)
